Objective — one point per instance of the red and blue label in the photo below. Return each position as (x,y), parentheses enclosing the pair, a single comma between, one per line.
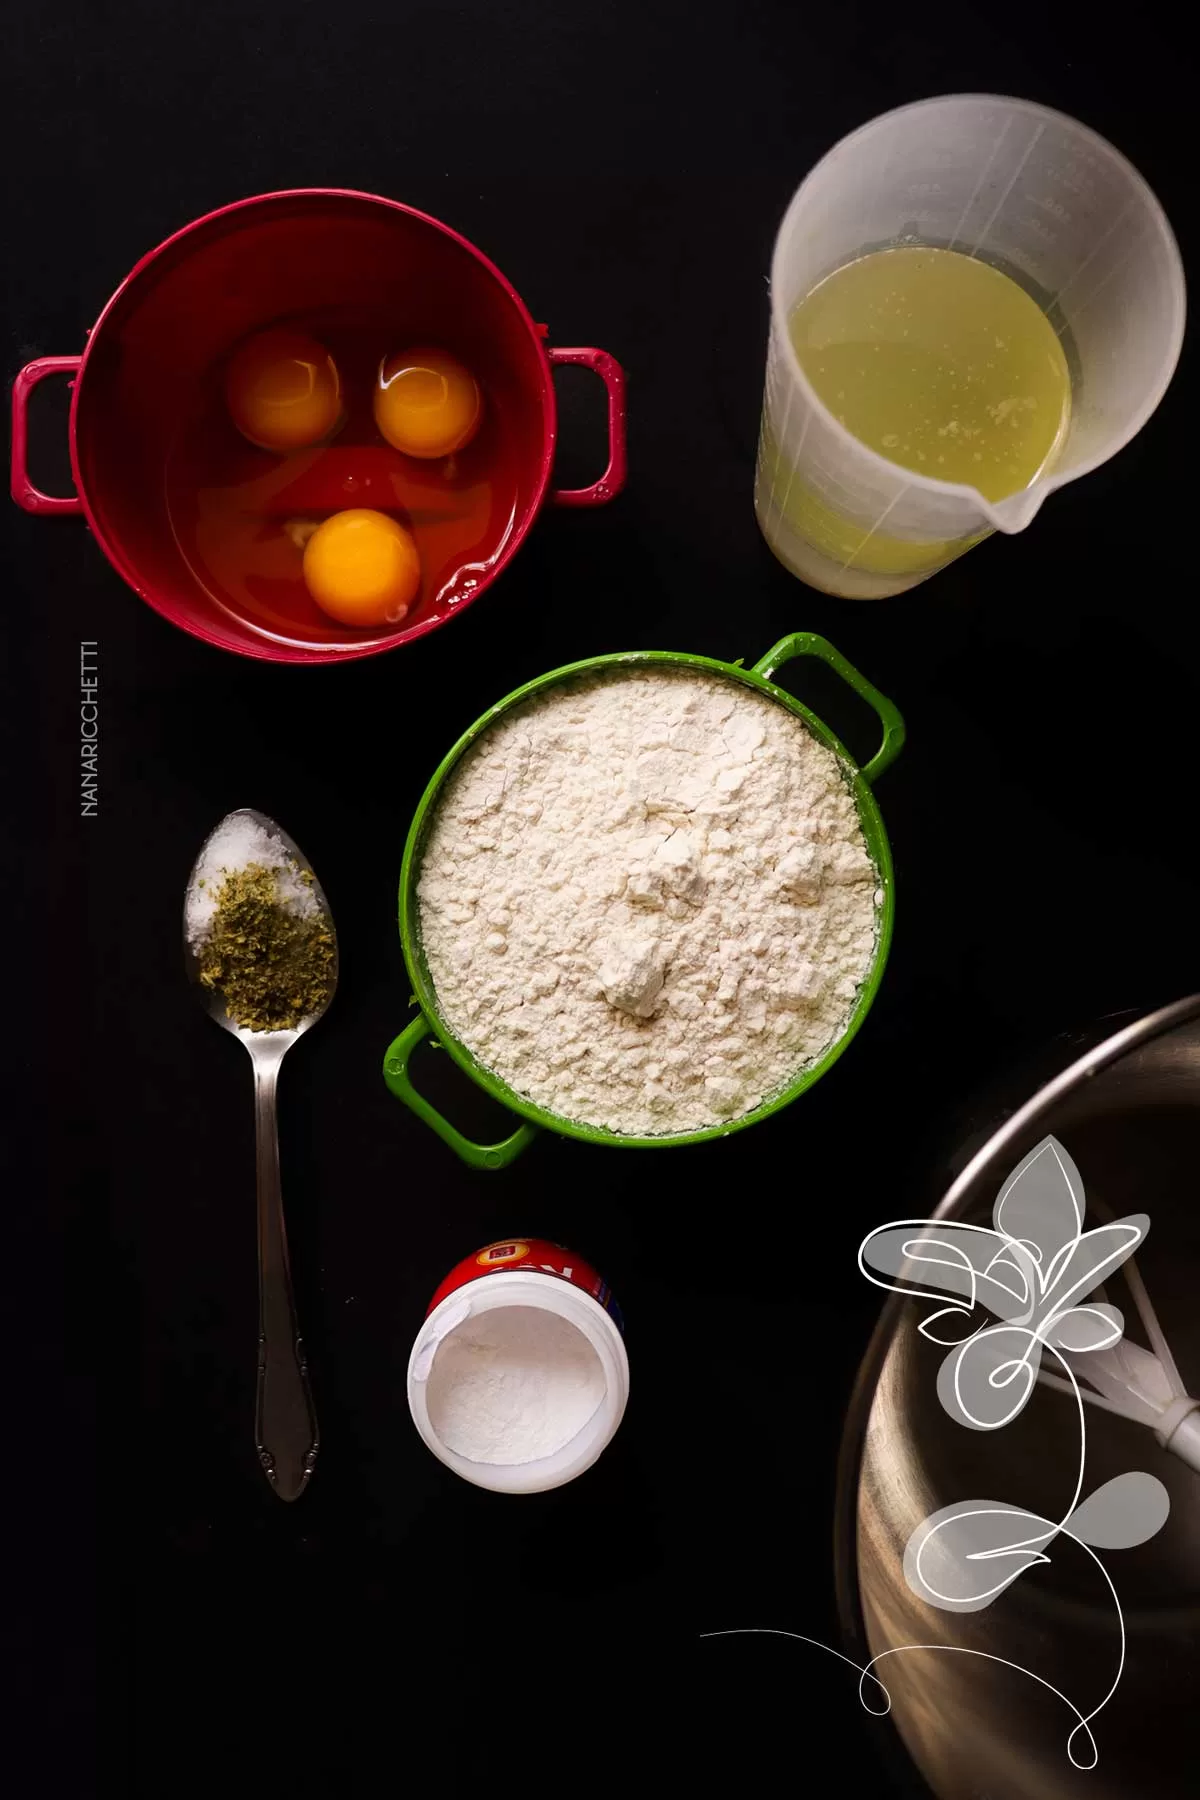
(538,1256)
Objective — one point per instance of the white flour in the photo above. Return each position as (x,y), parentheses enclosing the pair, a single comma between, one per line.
(646,901)
(512,1385)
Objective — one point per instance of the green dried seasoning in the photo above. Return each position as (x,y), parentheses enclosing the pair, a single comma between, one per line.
(272,967)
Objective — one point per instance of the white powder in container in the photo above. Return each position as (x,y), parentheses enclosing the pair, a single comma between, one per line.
(513,1384)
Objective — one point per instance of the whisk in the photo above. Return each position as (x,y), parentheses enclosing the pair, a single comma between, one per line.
(1142,1385)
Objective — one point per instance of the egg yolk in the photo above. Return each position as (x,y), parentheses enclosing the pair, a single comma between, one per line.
(362,568)
(282,390)
(426,403)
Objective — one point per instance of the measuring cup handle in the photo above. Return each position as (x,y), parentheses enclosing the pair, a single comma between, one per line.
(807,643)
(395,1074)
(30,498)
(613,376)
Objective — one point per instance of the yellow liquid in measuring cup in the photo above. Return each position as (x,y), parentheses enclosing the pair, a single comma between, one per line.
(940,363)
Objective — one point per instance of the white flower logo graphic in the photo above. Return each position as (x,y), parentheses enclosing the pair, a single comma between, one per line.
(1032,1271)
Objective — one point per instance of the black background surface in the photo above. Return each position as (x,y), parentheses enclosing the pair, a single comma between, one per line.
(626,166)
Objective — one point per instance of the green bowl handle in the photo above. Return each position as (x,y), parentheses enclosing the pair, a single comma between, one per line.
(395,1074)
(807,643)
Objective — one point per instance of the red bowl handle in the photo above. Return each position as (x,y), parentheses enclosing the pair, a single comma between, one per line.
(24,493)
(613,479)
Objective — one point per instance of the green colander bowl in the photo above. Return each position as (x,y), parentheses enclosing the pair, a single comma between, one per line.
(429,1020)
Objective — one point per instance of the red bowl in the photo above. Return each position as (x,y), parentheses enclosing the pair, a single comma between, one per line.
(185,304)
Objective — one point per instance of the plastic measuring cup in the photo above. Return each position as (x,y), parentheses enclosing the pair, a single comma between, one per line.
(1041,198)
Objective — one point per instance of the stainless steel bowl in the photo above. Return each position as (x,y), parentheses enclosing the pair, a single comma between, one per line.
(1128,1112)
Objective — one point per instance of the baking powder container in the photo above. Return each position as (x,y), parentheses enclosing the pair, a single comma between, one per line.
(526,1273)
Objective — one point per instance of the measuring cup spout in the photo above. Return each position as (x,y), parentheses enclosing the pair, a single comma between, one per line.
(1019,510)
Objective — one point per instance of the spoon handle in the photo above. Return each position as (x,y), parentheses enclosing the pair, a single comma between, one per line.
(285,1424)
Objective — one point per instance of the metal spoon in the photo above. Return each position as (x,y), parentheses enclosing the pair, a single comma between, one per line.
(285,1422)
